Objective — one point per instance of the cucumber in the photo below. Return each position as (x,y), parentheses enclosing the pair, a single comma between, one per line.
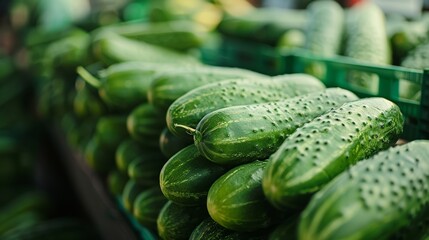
(99,157)
(240,134)
(323,148)
(148,205)
(236,200)
(130,193)
(145,169)
(287,229)
(145,124)
(170,144)
(127,152)
(211,230)
(325,27)
(373,199)
(166,87)
(116,181)
(110,48)
(124,85)
(111,130)
(86,102)
(366,41)
(190,108)
(187,176)
(177,222)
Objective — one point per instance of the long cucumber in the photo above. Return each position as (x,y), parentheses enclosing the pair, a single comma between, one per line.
(245,133)
(321,149)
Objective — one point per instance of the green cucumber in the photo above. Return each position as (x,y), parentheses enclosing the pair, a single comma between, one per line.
(111,130)
(116,181)
(236,200)
(145,169)
(166,87)
(130,193)
(145,124)
(211,230)
(323,148)
(177,222)
(148,205)
(170,144)
(373,199)
(240,134)
(110,48)
(127,152)
(324,28)
(287,229)
(87,102)
(187,176)
(190,108)
(366,41)
(99,157)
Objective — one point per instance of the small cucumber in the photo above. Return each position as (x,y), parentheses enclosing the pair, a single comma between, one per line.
(239,134)
(190,108)
(323,148)
(148,205)
(170,144)
(145,169)
(99,157)
(187,176)
(236,200)
(116,181)
(373,199)
(130,193)
(127,151)
(176,222)
(111,130)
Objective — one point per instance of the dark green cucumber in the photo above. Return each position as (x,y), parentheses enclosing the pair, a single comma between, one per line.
(130,193)
(128,151)
(287,229)
(111,48)
(177,222)
(236,200)
(366,41)
(145,169)
(187,176)
(111,130)
(125,85)
(240,134)
(86,102)
(190,108)
(99,157)
(148,205)
(211,230)
(145,124)
(373,199)
(325,28)
(116,181)
(170,144)
(323,148)
(168,86)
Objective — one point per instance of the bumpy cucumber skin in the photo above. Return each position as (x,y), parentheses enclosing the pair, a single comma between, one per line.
(145,123)
(148,205)
(177,222)
(190,108)
(321,149)
(168,86)
(373,199)
(245,133)
(236,200)
(187,176)
(324,28)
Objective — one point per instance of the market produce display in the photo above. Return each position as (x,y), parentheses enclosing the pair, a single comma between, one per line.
(185,149)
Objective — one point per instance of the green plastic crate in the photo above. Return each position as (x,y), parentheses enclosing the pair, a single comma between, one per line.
(333,71)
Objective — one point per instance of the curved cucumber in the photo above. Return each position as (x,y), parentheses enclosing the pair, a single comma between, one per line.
(321,149)
(236,200)
(245,133)
(190,108)
(145,124)
(373,199)
(187,176)
(129,194)
(145,169)
(148,205)
(127,152)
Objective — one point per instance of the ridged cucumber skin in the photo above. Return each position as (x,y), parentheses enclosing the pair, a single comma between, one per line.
(145,124)
(170,144)
(236,200)
(176,222)
(366,40)
(323,148)
(168,86)
(145,169)
(190,108)
(148,205)
(211,230)
(187,176)
(128,151)
(129,194)
(373,199)
(325,27)
(240,134)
